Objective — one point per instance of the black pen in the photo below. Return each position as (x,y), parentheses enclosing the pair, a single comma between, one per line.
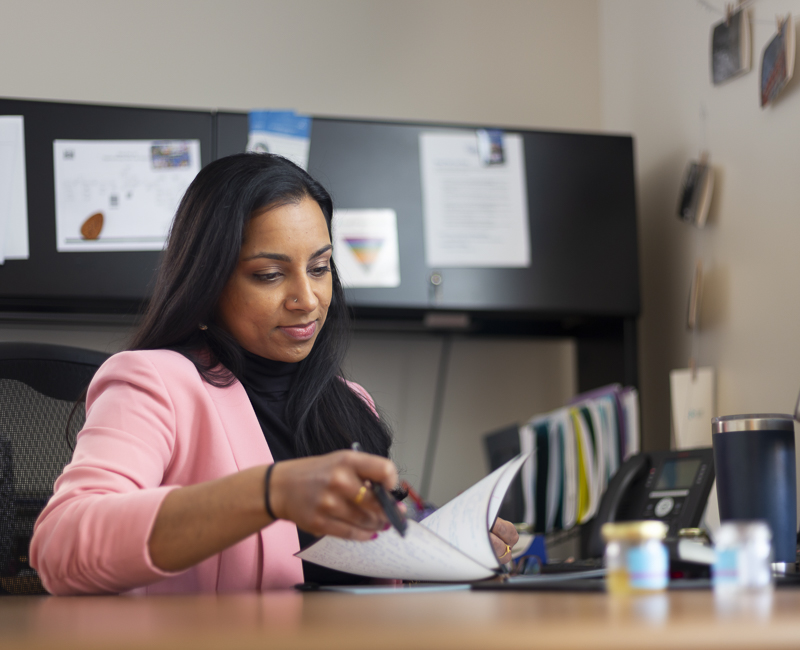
(389,505)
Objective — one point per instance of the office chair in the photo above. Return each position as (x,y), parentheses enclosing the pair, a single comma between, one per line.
(40,385)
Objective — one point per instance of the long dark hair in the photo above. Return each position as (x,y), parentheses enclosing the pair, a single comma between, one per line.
(202,253)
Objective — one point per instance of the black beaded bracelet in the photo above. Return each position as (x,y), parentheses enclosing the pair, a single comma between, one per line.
(267,507)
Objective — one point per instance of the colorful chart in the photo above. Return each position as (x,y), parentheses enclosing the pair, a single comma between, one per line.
(365,249)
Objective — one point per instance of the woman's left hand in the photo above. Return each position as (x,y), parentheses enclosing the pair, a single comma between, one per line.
(503,536)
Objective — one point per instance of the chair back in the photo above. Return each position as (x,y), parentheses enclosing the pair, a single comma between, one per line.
(42,389)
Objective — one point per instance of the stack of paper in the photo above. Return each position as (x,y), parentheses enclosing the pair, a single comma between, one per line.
(574,452)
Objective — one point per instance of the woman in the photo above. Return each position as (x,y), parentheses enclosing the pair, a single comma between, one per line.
(224,431)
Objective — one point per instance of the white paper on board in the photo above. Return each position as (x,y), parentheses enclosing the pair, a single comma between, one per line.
(136,185)
(284,133)
(13,189)
(365,248)
(476,213)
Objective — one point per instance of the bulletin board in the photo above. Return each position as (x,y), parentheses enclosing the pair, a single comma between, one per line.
(581,211)
(84,282)
(580,199)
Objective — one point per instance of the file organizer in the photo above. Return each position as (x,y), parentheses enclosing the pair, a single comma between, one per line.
(575,452)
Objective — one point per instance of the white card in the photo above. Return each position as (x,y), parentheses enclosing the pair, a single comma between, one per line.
(693,407)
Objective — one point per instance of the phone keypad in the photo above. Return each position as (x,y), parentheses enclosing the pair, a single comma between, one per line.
(664,507)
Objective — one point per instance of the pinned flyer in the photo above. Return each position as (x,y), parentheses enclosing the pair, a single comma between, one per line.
(475,203)
(284,133)
(365,248)
(119,195)
(13,192)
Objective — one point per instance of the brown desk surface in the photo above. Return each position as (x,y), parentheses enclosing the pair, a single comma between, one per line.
(464,620)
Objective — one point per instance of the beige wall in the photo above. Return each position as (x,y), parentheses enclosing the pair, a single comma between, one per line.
(502,62)
(655,84)
(522,63)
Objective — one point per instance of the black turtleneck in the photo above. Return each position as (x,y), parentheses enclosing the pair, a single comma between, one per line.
(267,384)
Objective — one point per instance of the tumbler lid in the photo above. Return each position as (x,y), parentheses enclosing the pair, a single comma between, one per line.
(753,422)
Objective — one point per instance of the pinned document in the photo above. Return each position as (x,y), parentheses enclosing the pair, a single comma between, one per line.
(13,189)
(120,195)
(365,248)
(475,201)
(284,133)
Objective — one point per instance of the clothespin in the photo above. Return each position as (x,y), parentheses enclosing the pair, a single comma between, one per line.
(693,368)
(728,14)
(704,157)
(780,20)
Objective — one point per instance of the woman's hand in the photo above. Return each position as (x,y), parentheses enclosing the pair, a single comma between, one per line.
(503,536)
(321,493)
(317,493)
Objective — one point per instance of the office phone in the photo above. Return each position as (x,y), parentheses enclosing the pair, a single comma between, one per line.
(671,486)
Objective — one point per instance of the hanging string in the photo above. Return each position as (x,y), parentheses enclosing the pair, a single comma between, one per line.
(706,4)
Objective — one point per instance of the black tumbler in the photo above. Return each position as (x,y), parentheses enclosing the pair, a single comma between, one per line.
(755,467)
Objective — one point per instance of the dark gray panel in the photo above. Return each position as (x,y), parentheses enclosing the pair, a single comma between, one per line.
(582,217)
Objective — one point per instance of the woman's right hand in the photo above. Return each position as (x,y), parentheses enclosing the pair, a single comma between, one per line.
(319,493)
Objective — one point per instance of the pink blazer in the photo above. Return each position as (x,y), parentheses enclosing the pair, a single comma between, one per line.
(153,424)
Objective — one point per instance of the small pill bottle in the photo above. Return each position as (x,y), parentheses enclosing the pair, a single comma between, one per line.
(636,558)
(742,557)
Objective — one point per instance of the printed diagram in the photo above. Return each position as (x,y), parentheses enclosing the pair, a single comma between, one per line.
(365,248)
(120,195)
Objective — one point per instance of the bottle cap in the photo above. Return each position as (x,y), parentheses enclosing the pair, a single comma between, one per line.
(634,531)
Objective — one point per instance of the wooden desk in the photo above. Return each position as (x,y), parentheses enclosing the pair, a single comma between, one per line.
(462,620)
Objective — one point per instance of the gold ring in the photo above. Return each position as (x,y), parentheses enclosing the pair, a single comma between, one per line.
(508,550)
(360,496)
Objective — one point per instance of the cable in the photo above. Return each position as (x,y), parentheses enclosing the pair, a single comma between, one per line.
(436,415)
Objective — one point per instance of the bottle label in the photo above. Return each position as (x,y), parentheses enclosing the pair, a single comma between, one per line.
(725,569)
(648,567)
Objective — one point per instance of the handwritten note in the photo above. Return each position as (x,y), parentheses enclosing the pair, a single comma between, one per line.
(450,545)
(456,521)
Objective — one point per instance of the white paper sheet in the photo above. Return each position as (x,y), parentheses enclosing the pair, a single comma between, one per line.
(420,555)
(630,410)
(458,520)
(440,548)
(476,213)
(365,248)
(284,133)
(692,407)
(135,185)
(13,190)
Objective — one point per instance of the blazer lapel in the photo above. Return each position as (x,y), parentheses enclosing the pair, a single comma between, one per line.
(241,425)
(278,565)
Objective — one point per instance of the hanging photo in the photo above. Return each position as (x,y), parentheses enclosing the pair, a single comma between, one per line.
(730,46)
(777,61)
(698,186)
